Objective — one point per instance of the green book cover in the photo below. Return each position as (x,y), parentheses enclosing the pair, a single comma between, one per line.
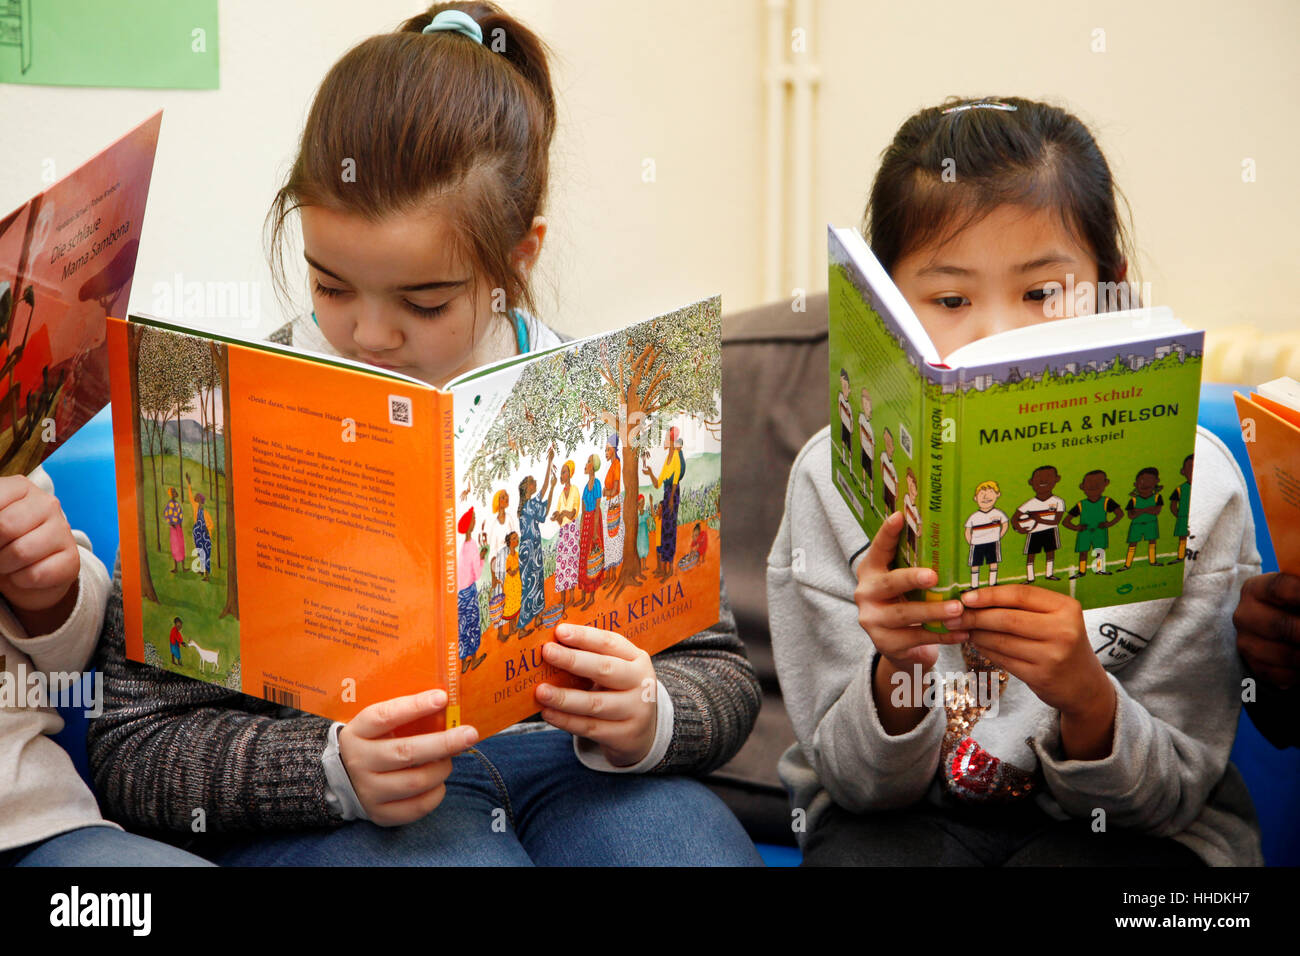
(1059,455)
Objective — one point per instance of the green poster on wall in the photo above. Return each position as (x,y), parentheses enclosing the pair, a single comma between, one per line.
(169,44)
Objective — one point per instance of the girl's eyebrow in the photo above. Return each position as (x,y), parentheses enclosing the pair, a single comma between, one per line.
(1047,259)
(418,287)
(1052,258)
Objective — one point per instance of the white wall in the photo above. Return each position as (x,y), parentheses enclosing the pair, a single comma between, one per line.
(1184,91)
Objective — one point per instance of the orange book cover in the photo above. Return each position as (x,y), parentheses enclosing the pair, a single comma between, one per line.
(327,535)
(1273,442)
(67,257)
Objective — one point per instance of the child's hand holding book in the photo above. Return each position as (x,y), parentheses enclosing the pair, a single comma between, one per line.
(620,711)
(400,780)
(1039,636)
(39,560)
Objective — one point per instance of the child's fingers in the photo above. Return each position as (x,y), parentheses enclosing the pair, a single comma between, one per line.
(597,641)
(390,754)
(23,516)
(606,705)
(13,488)
(1278,589)
(1002,648)
(400,812)
(397,785)
(35,545)
(54,573)
(901,614)
(881,551)
(592,728)
(890,585)
(387,715)
(1269,652)
(613,672)
(1025,597)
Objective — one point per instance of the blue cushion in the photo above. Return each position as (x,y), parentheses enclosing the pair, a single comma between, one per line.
(1273,775)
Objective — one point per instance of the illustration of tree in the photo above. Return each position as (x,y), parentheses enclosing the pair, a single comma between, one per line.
(153,405)
(134,333)
(629,383)
(221,359)
(543,411)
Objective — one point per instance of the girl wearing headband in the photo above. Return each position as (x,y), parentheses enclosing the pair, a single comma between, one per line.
(420,187)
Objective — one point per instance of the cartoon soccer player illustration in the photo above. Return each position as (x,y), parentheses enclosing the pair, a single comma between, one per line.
(911,516)
(1180,500)
(1090,517)
(1037,520)
(984,530)
(888,477)
(846,420)
(867,441)
(1144,504)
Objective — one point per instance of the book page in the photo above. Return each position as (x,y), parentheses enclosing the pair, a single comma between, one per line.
(588,491)
(67,258)
(276,519)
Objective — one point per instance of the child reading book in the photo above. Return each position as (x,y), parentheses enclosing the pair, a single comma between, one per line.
(1030,731)
(449,121)
(54,590)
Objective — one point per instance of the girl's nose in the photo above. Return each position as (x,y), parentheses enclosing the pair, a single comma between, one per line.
(374,332)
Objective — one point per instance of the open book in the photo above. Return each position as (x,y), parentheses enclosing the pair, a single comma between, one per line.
(1270,425)
(327,534)
(1059,454)
(67,257)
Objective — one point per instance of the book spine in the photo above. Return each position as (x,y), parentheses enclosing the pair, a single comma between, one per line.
(445,590)
(942,488)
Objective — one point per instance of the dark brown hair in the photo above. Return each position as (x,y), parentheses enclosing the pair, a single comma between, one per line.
(1036,155)
(433,119)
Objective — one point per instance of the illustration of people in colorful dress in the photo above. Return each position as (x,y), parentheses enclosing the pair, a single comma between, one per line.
(202,533)
(911,516)
(615,525)
(591,555)
(1180,500)
(567,543)
(670,478)
(1091,516)
(174,515)
(699,548)
(1037,519)
(176,639)
(645,523)
(511,586)
(984,531)
(1144,504)
(867,441)
(532,577)
(498,528)
(469,565)
(888,476)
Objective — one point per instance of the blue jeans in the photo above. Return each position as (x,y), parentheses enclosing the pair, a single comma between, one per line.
(524,799)
(98,846)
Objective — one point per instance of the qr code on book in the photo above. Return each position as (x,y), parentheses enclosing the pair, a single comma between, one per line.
(399,410)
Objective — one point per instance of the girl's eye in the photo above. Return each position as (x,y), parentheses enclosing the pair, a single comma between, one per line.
(1041,295)
(329,291)
(952,301)
(427,311)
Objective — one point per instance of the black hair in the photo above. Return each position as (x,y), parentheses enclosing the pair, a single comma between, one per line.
(1095,471)
(1036,155)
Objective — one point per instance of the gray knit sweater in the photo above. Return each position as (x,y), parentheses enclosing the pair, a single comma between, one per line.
(167,745)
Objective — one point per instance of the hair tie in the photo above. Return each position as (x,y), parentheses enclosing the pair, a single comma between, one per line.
(981,105)
(456,21)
